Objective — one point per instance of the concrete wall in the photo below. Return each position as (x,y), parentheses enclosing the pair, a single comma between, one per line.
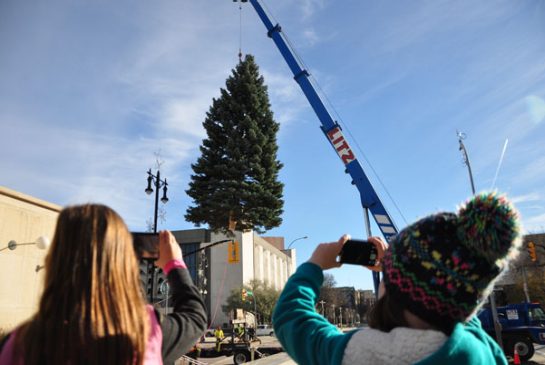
(23,219)
(277,242)
(271,264)
(224,276)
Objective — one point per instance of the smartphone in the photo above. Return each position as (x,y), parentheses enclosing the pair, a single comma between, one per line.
(146,245)
(358,252)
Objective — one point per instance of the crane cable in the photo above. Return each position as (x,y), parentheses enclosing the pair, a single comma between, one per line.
(240,33)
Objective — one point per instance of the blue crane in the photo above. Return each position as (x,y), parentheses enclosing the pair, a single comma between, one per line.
(368,196)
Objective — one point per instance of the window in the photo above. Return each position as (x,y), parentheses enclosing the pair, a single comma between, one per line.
(536,314)
(191,260)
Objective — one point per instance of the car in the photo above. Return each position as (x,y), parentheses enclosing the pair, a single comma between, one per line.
(264,330)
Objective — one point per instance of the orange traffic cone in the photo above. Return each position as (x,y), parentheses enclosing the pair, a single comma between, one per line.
(516,358)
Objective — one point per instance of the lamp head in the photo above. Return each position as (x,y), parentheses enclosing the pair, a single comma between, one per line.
(149,189)
(164,199)
(43,242)
(12,245)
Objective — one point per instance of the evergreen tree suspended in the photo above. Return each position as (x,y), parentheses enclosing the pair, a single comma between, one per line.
(235,180)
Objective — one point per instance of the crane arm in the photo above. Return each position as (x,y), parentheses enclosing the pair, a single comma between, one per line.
(368,196)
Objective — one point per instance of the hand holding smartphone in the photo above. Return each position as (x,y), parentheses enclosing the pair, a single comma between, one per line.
(358,252)
(146,245)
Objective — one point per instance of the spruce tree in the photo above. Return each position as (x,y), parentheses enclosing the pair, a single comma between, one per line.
(236,177)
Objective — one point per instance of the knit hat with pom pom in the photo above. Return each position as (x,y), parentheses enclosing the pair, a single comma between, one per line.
(441,267)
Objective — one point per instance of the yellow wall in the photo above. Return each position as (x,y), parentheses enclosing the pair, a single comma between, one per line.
(23,219)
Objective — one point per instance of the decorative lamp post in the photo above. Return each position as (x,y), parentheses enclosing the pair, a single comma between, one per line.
(158,183)
(155,181)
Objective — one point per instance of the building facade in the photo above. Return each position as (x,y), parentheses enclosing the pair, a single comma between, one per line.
(219,267)
(22,219)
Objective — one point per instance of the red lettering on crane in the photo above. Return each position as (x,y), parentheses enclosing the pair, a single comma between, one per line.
(341,145)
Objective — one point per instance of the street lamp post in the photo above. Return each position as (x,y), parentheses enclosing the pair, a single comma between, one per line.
(492,296)
(255,309)
(297,239)
(322,302)
(158,183)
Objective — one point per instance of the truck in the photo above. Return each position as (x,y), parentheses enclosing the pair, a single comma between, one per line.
(242,343)
(523,324)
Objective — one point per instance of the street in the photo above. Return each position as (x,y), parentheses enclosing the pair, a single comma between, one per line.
(539,356)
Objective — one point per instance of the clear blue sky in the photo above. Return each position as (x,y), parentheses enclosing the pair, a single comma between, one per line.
(89,90)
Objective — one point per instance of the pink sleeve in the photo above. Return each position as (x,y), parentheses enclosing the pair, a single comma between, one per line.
(152,355)
(7,356)
(174,264)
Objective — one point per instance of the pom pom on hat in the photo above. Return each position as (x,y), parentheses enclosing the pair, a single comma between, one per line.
(488,224)
(443,266)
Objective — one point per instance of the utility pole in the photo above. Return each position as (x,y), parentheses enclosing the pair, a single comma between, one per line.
(492,297)
(255,309)
(525,284)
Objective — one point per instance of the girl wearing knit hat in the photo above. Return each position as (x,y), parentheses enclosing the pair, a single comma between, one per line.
(437,273)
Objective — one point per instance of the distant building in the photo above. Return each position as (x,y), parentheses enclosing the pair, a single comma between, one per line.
(367,297)
(346,305)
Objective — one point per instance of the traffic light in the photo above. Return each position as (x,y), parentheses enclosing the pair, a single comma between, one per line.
(244,295)
(532,251)
(233,253)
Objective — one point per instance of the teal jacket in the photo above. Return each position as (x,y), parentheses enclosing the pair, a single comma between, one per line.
(310,339)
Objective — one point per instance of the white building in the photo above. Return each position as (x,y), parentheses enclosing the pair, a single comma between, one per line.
(219,269)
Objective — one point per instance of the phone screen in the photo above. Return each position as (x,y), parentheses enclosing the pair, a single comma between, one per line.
(358,252)
(146,245)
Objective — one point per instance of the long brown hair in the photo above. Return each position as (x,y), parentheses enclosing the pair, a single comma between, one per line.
(387,314)
(92,309)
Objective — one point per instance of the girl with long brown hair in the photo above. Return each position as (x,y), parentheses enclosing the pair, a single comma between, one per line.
(92,310)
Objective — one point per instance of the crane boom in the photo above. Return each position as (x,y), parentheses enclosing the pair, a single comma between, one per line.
(368,196)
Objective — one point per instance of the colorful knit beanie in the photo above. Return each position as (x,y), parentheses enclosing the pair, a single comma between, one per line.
(441,267)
